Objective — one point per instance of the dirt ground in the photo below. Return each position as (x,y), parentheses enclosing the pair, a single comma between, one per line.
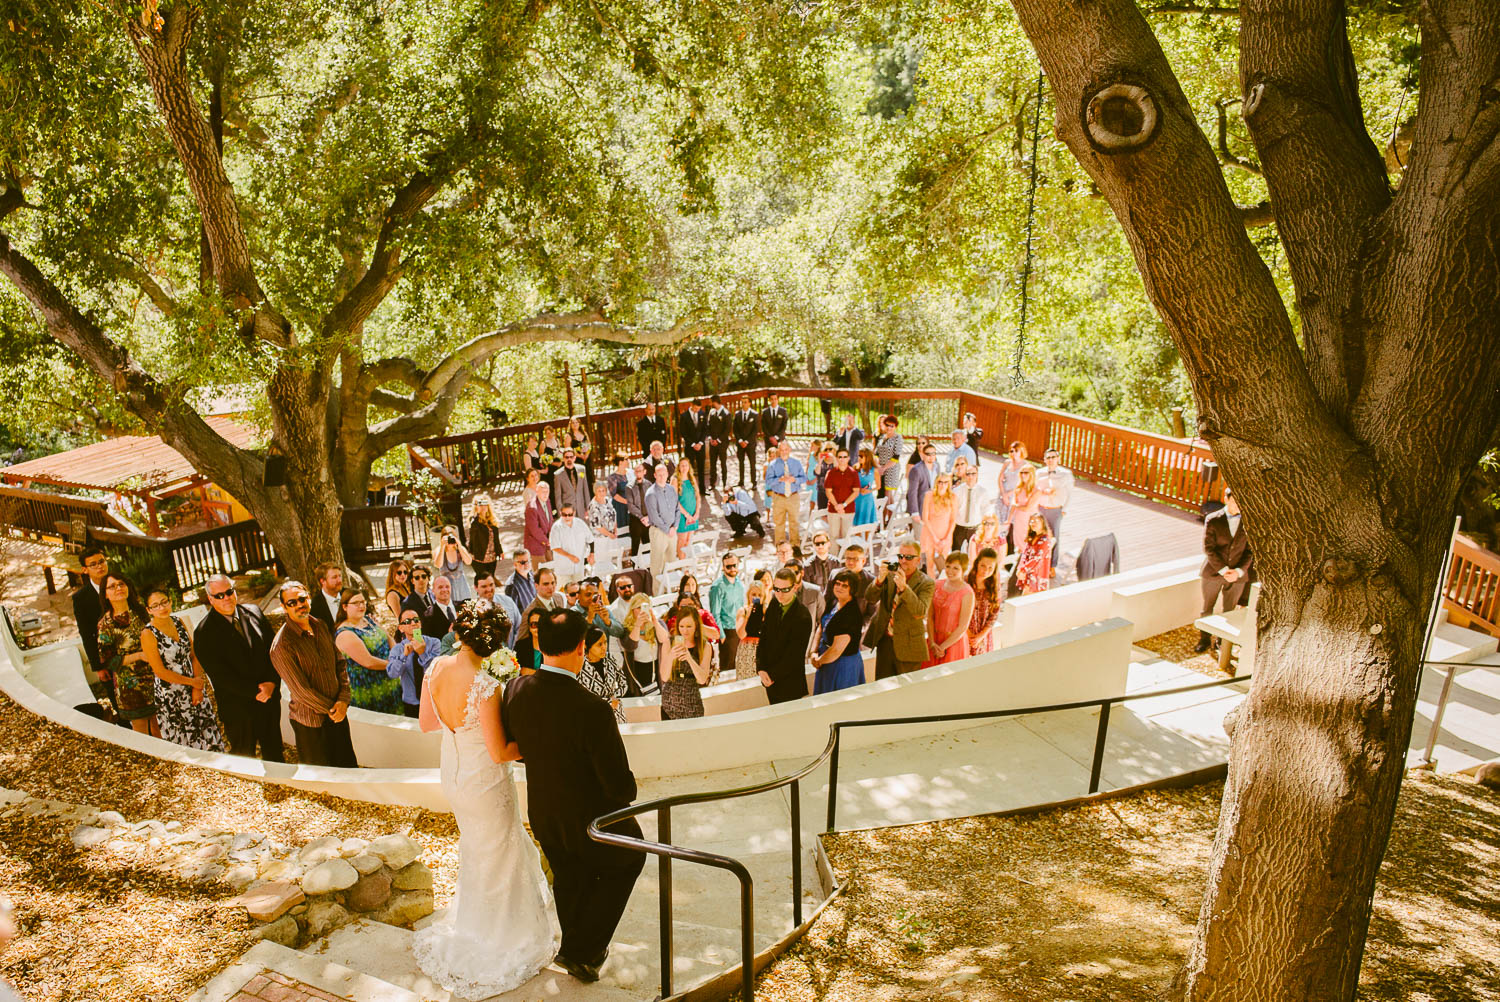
(96,927)
(1099,903)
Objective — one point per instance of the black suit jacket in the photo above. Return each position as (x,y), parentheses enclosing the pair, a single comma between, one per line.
(850,441)
(782,652)
(720,424)
(88,610)
(773,424)
(691,430)
(648,430)
(576,767)
(746,425)
(234,665)
(320,609)
(434,622)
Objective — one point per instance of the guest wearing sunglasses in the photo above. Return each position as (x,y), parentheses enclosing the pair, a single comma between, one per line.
(409,658)
(397,586)
(233,644)
(898,630)
(781,655)
(305,657)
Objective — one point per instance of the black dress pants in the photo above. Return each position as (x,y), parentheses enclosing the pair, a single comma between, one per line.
(259,724)
(746,455)
(591,883)
(718,465)
(329,744)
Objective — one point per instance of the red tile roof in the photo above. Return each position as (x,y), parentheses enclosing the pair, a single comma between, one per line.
(129,464)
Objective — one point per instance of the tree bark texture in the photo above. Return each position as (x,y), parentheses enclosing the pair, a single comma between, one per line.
(1345,452)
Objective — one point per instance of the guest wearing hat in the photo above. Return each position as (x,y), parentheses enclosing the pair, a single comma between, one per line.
(484,537)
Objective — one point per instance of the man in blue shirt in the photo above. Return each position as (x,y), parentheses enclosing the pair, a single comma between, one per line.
(785,478)
(961,450)
(725,597)
(741,513)
(661,517)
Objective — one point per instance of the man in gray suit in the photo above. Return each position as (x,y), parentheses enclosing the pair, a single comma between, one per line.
(919,481)
(571,485)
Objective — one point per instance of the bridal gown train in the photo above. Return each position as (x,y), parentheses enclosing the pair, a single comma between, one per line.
(501,928)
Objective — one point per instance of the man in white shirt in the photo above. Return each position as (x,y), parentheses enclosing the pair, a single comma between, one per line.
(570,541)
(970,504)
(1055,483)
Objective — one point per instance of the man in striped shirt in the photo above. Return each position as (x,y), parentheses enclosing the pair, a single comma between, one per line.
(304,656)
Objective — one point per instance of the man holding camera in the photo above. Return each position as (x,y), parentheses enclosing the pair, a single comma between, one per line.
(898,631)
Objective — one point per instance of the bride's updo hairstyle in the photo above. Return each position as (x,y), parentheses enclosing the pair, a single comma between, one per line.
(481,626)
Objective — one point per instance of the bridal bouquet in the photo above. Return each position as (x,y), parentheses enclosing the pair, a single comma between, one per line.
(502,665)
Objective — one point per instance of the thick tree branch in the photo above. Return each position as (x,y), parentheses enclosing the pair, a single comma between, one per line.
(384,270)
(160,408)
(163,54)
(147,283)
(392,370)
(1257,215)
(1192,8)
(391,401)
(1326,178)
(1227,158)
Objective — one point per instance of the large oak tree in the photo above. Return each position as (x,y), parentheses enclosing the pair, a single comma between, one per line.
(347,207)
(1345,438)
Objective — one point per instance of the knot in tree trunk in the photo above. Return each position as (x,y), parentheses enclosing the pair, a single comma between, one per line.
(1339,571)
(1208,427)
(1120,117)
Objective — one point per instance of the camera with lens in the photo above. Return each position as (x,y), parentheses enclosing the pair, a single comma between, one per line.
(893,565)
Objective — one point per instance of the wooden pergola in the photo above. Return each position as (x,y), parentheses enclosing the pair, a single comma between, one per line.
(139,466)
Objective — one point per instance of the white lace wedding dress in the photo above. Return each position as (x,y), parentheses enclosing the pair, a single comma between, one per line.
(501,928)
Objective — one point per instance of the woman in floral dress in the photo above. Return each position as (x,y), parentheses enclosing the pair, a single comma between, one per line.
(1034,569)
(185,711)
(120,653)
(366,648)
(984,578)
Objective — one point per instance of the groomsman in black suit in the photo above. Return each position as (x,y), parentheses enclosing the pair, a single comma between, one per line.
(692,434)
(326,603)
(746,426)
(233,643)
(720,427)
(651,428)
(576,770)
(88,609)
(773,423)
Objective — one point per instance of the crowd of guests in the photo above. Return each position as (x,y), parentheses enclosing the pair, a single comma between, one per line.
(937,601)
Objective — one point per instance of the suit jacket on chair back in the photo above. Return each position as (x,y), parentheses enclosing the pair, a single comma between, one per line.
(236,658)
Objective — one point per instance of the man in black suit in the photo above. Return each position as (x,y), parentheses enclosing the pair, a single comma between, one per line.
(325,601)
(576,770)
(233,643)
(651,428)
(720,427)
(1227,566)
(89,609)
(440,620)
(692,436)
(781,655)
(746,427)
(773,423)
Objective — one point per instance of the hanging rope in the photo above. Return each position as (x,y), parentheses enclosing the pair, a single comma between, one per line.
(1036,130)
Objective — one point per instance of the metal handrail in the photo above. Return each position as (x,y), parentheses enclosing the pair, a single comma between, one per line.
(666,852)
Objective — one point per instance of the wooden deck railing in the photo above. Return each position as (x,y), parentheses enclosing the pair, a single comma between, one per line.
(1472,592)
(1163,469)
(35,514)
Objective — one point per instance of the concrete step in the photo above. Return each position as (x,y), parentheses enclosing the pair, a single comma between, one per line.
(251,971)
(1457,643)
(384,952)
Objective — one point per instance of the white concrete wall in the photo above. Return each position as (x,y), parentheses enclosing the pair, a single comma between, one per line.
(1088,662)
(1160,604)
(1031,617)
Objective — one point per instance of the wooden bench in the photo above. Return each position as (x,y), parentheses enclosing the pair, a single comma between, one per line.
(1235,627)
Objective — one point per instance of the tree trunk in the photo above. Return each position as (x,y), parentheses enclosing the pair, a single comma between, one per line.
(306,514)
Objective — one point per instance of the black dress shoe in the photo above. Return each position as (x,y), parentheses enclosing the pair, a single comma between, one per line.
(1204,643)
(583,972)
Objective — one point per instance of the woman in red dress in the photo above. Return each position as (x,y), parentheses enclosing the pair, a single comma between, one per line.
(984,578)
(1034,570)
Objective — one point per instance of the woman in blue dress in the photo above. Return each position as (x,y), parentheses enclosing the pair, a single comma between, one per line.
(365,648)
(864,503)
(838,662)
(687,505)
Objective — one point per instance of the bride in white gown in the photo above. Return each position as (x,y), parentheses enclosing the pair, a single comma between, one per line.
(501,928)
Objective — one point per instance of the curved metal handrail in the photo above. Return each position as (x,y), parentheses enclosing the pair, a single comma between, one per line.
(666,851)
